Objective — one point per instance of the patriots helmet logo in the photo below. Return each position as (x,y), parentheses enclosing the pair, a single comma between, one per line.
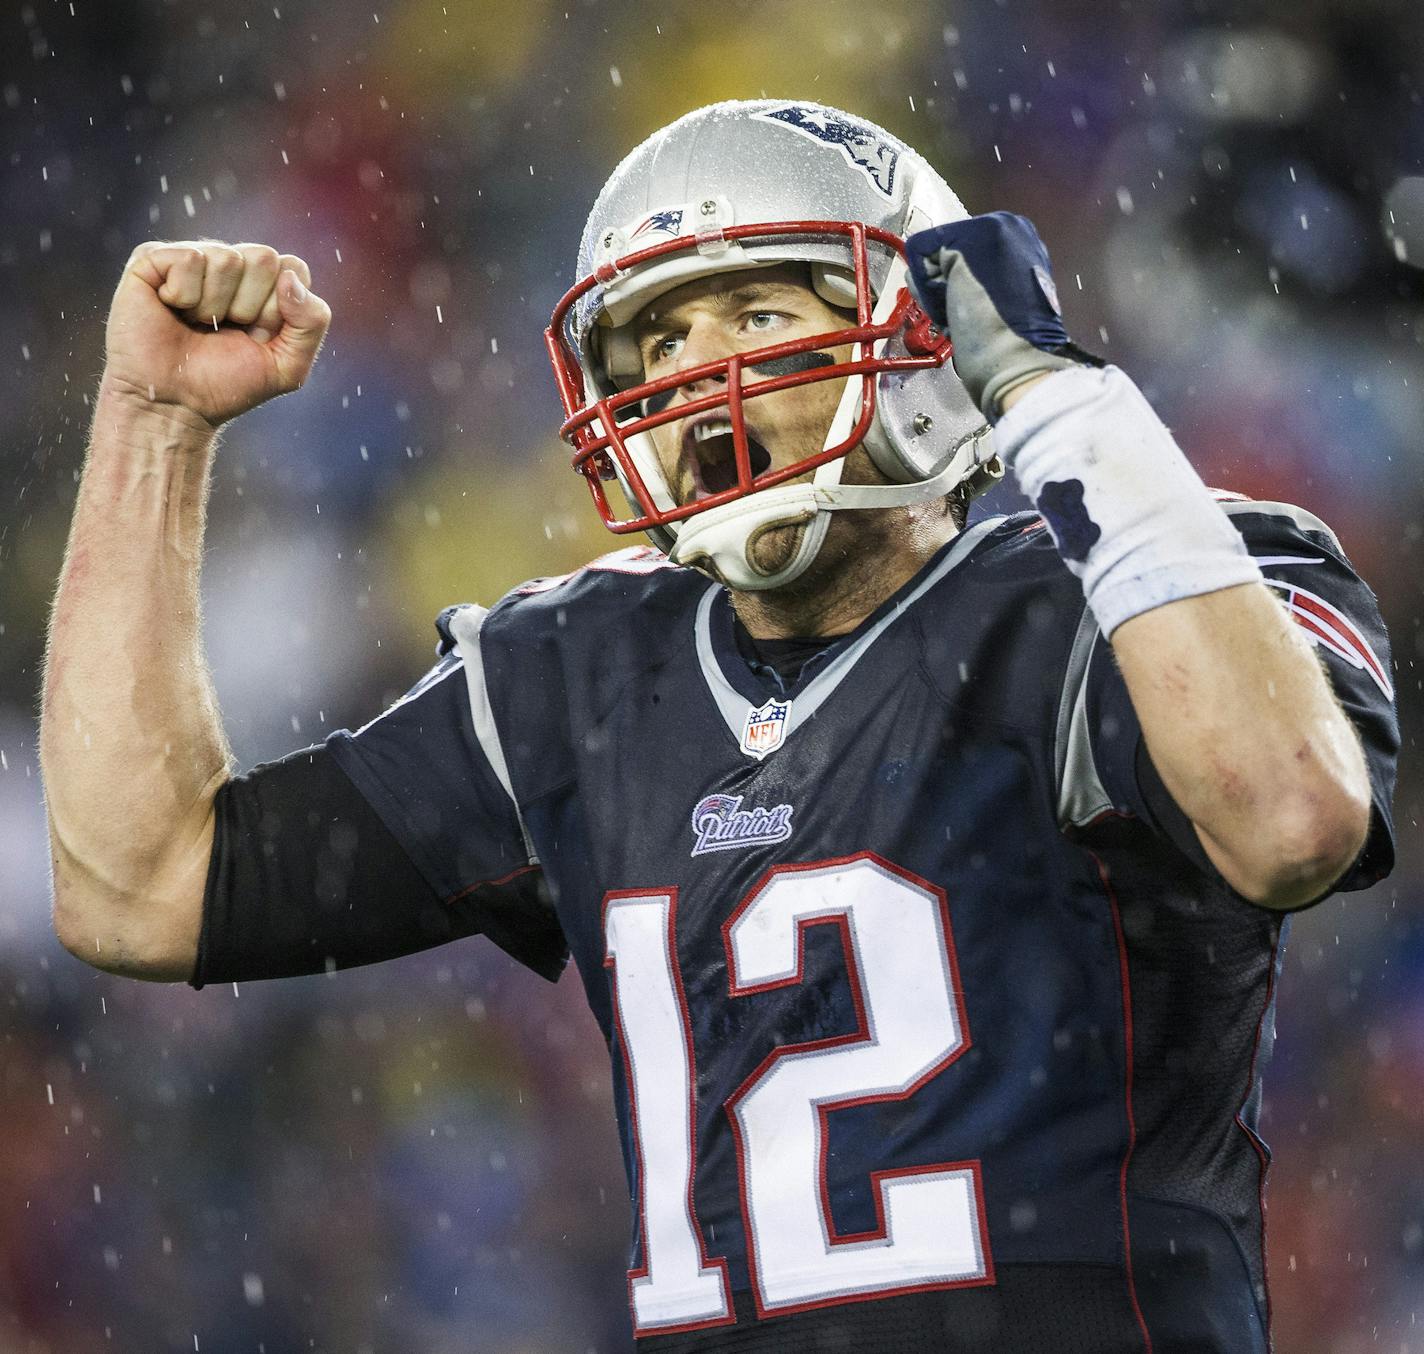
(667,222)
(863,146)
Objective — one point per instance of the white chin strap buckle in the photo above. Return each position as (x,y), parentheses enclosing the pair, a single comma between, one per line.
(725,537)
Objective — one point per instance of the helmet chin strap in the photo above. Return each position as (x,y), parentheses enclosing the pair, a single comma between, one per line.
(724,536)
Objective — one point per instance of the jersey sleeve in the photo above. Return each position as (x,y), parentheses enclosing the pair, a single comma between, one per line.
(440,852)
(1104,765)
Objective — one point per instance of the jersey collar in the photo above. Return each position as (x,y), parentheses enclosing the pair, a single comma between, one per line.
(736,690)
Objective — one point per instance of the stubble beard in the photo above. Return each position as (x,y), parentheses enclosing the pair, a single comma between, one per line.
(846,570)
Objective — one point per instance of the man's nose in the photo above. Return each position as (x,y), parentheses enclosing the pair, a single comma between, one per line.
(704,343)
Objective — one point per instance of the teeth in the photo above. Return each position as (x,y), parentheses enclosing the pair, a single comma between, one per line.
(716,429)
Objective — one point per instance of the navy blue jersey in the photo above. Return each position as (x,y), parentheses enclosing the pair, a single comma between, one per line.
(930,1024)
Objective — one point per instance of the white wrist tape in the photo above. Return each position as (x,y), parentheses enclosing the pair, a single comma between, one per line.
(1129,514)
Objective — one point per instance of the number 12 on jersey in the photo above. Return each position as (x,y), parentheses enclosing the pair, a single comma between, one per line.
(900,966)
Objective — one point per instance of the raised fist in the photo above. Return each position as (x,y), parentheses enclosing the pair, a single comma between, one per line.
(985,281)
(211,329)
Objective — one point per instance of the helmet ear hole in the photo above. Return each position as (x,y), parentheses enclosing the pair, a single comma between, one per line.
(621,359)
(835,286)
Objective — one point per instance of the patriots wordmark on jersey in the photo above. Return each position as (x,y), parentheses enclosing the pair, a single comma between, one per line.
(930,1025)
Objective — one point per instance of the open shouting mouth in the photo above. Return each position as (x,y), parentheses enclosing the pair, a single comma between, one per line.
(709,455)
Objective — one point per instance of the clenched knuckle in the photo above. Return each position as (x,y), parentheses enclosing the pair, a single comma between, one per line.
(220,258)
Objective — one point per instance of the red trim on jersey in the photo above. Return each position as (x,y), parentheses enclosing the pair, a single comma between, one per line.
(634,559)
(1127,1089)
(840,918)
(1329,627)
(610,963)
(1343,633)
(490,883)
(1104,814)
(1321,632)
(1253,1138)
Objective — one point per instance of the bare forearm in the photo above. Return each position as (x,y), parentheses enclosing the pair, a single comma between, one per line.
(1249,739)
(131,742)
(1237,715)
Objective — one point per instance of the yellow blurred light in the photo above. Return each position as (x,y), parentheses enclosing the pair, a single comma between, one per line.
(433,45)
(471,530)
(840,52)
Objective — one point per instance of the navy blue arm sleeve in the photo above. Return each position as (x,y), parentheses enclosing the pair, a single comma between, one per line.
(304,876)
(1322,593)
(370,846)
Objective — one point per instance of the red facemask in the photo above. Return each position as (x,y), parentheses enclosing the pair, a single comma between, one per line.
(598,429)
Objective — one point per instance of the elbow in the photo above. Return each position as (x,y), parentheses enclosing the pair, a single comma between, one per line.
(73,926)
(153,950)
(150,934)
(77,915)
(1305,850)
(68,927)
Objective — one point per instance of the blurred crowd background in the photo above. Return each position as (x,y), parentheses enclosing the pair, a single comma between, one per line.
(421,1156)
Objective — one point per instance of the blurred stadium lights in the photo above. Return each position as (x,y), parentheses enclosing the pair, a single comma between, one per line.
(1307,226)
(1243,75)
(1403,219)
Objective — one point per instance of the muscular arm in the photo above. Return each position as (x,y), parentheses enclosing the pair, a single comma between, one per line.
(130,740)
(1247,737)
(1240,723)
(131,743)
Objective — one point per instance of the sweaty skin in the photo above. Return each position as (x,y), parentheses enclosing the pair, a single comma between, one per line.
(867,554)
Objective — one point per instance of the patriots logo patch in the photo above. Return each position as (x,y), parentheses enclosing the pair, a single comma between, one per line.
(721,824)
(666,223)
(865,148)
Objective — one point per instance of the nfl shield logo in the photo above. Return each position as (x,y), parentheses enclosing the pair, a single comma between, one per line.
(765,728)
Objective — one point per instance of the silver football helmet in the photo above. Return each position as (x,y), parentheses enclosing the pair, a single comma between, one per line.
(745,185)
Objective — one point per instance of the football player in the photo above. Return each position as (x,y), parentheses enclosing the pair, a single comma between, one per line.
(926,879)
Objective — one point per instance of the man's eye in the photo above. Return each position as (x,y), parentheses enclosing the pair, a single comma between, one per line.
(761,320)
(660,350)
